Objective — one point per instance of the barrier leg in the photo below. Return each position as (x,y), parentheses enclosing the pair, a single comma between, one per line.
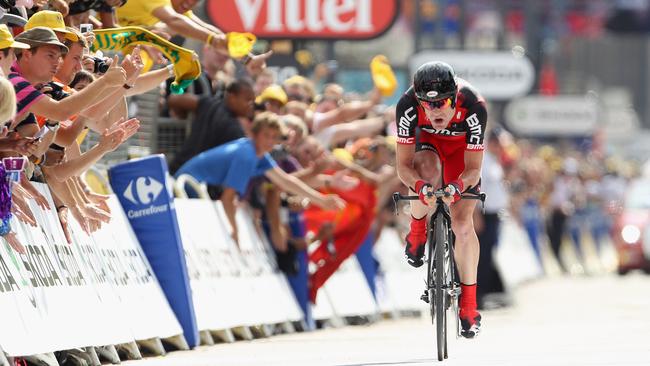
(206,338)
(152,346)
(301,326)
(3,359)
(243,333)
(43,359)
(367,262)
(176,343)
(108,354)
(262,331)
(128,351)
(225,335)
(287,327)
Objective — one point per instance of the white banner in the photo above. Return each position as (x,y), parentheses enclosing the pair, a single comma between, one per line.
(61,296)
(562,115)
(229,283)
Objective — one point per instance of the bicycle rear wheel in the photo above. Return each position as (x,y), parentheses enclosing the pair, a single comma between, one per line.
(440,286)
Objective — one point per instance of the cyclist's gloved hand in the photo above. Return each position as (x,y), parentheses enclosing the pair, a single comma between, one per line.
(422,188)
(455,188)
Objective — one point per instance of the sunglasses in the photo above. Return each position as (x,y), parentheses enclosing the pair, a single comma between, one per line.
(438,104)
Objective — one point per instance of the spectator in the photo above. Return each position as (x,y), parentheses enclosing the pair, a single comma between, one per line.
(7,46)
(38,65)
(272,99)
(52,20)
(213,61)
(7,101)
(216,121)
(232,165)
(81,80)
(488,222)
(562,206)
(170,16)
(265,79)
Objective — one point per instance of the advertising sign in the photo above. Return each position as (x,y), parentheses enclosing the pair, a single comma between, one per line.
(306,19)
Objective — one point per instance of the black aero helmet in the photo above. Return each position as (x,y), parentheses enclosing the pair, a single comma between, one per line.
(435,81)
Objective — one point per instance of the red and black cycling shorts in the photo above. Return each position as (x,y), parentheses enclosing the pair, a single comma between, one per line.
(451,151)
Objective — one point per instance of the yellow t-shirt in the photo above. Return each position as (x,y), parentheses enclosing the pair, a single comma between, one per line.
(139,12)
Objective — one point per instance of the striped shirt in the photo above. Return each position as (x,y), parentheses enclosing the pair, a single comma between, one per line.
(26,93)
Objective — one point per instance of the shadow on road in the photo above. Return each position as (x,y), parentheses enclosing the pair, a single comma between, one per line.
(410,362)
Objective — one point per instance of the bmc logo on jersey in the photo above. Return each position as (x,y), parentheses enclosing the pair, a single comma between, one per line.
(404,125)
(475,129)
(143,190)
(443,132)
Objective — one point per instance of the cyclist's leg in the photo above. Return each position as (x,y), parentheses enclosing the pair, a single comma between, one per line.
(467,247)
(427,164)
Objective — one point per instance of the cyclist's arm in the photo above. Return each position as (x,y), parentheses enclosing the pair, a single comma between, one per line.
(405,168)
(472,172)
(476,124)
(406,119)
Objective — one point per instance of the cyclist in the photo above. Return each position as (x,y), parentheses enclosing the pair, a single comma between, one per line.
(441,124)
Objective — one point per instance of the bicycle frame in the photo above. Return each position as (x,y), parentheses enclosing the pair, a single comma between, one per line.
(442,289)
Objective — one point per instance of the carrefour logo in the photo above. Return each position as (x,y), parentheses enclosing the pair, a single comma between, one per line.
(144,191)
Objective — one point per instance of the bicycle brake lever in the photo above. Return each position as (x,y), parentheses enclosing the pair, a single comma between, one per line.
(395,203)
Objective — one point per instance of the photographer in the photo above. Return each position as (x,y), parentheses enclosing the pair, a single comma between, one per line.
(39,65)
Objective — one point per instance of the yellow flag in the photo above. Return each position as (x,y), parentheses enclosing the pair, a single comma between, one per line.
(186,63)
(383,75)
(240,44)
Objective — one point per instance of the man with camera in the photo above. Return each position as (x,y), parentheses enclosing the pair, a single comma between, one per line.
(37,66)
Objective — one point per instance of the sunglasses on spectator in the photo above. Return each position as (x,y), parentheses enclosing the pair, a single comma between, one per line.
(438,104)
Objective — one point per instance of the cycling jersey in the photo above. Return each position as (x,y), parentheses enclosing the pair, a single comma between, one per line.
(468,123)
(464,132)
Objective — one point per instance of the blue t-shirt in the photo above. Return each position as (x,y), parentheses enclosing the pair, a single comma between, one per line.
(230,165)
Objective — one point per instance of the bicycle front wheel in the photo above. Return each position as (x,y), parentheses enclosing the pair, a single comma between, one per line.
(440,289)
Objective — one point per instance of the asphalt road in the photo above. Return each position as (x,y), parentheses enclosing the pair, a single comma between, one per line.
(599,320)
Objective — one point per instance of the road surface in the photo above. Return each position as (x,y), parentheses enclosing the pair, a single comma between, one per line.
(599,320)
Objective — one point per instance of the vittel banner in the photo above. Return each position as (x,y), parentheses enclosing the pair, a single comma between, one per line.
(311,19)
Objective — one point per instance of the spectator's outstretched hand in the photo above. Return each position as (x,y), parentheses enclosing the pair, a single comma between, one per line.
(132,65)
(258,63)
(25,215)
(219,41)
(96,213)
(99,200)
(130,127)
(331,202)
(90,38)
(61,6)
(24,145)
(81,219)
(63,218)
(20,207)
(14,243)
(341,180)
(115,75)
(111,139)
(40,200)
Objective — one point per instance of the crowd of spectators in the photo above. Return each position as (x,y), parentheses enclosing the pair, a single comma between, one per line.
(55,88)
(316,164)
